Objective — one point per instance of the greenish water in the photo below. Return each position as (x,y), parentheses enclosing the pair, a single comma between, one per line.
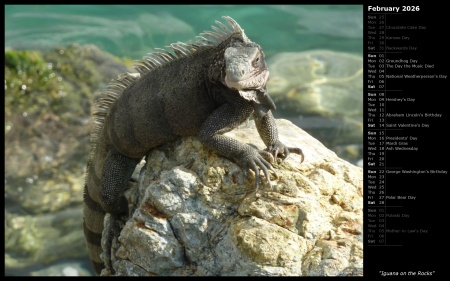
(133,30)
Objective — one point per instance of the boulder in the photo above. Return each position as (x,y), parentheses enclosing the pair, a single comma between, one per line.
(194,213)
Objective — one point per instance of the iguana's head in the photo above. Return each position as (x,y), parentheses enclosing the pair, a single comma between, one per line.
(246,71)
(245,68)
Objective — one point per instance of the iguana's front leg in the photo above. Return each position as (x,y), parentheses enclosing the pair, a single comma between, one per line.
(224,119)
(267,129)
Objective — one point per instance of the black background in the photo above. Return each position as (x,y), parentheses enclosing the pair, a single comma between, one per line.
(404,253)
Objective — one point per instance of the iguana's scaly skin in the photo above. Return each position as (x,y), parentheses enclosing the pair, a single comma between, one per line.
(204,88)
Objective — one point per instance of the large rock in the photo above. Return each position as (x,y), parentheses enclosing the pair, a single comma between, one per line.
(194,213)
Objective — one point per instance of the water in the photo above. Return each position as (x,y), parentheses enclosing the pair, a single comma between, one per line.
(134,30)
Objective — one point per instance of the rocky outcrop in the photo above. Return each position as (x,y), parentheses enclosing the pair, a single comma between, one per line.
(194,213)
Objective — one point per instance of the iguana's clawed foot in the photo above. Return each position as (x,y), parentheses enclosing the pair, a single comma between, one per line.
(255,160)
(267,156)
(278,149)
(260,160)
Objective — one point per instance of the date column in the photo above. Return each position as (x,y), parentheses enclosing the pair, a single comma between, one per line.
(375,128)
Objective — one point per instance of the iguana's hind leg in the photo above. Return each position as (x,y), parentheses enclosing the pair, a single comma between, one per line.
(117,172)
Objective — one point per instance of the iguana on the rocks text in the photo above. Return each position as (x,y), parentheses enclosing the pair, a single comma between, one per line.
(204,88)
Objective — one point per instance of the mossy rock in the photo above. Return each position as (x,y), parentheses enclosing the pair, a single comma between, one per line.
(48,101)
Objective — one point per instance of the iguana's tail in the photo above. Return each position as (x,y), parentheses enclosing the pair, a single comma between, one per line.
(93,228)
(93,212)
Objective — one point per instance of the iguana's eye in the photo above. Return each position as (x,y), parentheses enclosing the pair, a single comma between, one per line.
(256,62)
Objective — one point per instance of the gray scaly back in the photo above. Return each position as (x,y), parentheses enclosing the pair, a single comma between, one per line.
(153,60)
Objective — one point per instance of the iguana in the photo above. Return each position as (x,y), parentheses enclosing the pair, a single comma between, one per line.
(204,88)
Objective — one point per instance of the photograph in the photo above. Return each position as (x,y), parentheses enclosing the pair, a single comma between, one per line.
(184,140)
